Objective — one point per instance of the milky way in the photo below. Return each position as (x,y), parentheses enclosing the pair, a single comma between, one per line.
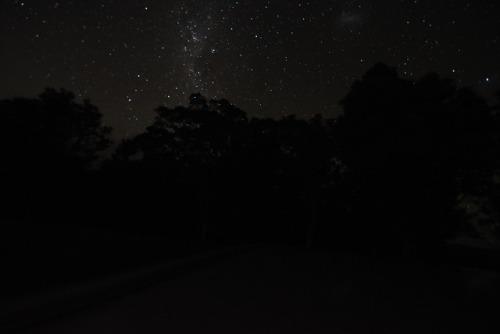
(270,58)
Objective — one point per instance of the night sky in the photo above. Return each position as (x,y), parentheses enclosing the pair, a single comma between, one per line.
(269,58)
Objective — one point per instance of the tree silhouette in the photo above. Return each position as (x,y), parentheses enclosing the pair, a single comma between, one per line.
(480,191)
(307,169)
(407,165)
(253,180)
(47,144)
(410,148)
(192,145)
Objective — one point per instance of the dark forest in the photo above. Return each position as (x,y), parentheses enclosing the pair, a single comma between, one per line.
(407,166)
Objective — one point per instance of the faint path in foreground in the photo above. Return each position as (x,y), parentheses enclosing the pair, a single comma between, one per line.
(287,290)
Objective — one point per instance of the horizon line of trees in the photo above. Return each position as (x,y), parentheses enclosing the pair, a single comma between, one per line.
(407,165)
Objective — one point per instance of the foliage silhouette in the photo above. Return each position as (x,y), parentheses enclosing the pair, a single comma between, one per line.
(411,148)
(251,180)
(48,144)
(407,165)
(188,145)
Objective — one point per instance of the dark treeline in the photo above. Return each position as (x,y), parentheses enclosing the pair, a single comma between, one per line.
(406,166)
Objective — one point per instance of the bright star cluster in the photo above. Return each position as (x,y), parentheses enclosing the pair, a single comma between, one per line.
(270,58)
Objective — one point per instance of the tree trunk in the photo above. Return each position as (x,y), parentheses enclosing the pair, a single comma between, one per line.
(204,208)
(312,219)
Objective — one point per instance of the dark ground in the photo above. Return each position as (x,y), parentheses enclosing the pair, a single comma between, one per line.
(36,258)
(264,289)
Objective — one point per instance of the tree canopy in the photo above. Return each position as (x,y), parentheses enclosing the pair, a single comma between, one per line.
(408,164)
(46,142)
(411,148)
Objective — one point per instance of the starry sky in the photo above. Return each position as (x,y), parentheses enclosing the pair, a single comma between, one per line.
(269,58)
